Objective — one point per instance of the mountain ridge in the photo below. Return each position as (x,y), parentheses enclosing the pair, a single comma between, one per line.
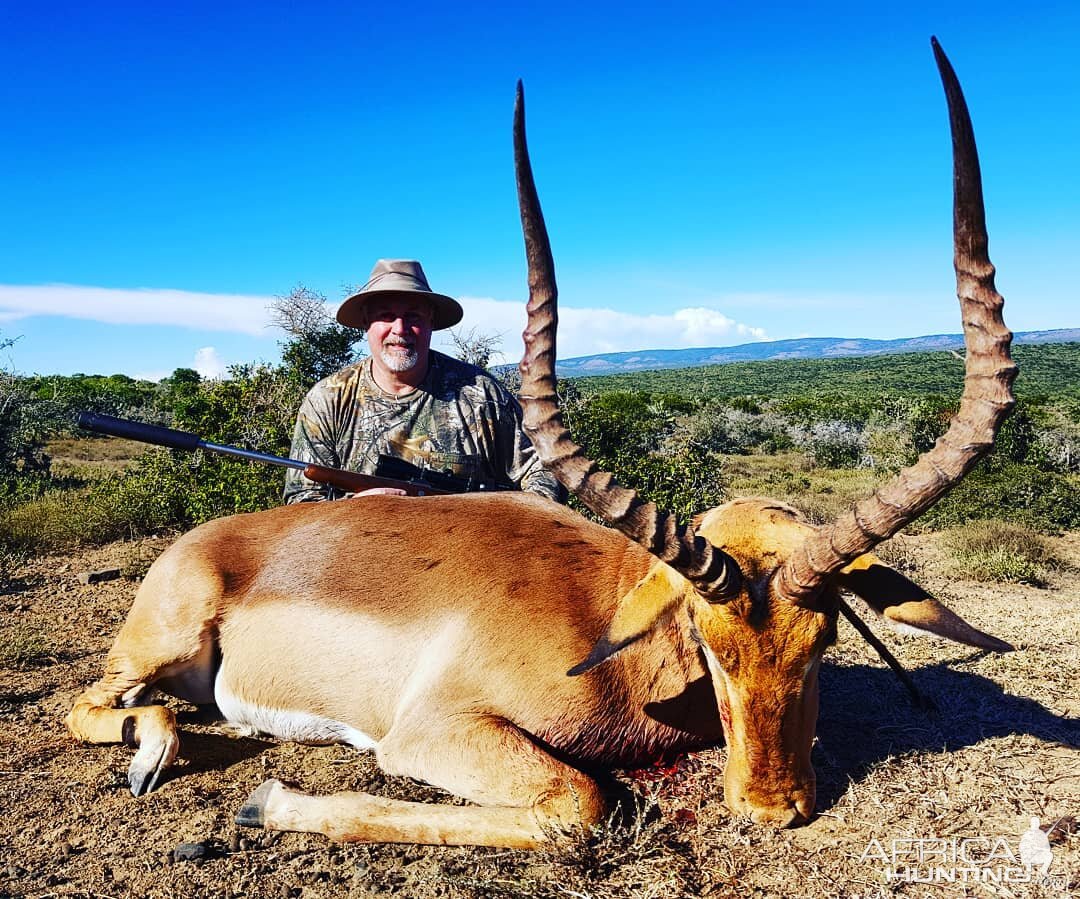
(793,348)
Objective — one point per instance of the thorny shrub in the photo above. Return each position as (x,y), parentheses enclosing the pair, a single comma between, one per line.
(832,444)
(735,430)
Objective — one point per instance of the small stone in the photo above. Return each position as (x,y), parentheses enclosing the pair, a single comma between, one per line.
(96,577)
(195,852)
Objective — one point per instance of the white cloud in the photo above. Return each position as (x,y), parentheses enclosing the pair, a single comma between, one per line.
(208,363)
(144,306)
(582,331)
(585,331)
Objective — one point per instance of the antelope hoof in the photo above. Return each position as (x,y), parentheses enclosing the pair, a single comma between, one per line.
(150,763)
(252,812)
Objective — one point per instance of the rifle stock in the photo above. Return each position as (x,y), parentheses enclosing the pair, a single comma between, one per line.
(354,481)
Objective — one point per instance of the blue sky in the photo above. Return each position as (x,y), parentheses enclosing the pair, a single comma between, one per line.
(710,174)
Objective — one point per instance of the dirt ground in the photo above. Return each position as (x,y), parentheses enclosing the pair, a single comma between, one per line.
(1001,748)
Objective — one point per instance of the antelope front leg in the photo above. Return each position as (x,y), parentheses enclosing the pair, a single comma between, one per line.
(525,797)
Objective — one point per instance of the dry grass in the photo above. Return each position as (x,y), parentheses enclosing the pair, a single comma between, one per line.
(54,520)
(10,561)
(69,519)
(1003,552)
(899,553)
(23,645)
(93,455)
(73,517)
(138,555)
(819,493)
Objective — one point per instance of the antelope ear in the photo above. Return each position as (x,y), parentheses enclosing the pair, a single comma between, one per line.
(644,608)
(906,606)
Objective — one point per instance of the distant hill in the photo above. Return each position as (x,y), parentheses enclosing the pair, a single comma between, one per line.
(1049,372)
(799,348)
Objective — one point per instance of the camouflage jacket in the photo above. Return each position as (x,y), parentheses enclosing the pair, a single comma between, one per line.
(460,420)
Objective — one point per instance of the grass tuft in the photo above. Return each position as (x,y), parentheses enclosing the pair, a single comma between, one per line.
(61,519)
(990,550)
(23,647)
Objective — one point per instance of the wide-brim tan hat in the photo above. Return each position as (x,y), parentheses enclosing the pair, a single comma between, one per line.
(399,277)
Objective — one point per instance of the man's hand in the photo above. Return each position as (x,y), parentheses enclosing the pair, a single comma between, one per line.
(386,491)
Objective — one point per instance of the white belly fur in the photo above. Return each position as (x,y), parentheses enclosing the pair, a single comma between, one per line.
(285,724)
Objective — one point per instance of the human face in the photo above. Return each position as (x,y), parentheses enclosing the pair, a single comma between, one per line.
(399,333)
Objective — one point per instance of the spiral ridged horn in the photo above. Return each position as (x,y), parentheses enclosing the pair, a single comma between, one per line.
(986,401)
(714,573)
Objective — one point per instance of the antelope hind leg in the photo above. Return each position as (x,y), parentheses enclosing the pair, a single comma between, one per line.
(176,648)
(525,797)
(152,728)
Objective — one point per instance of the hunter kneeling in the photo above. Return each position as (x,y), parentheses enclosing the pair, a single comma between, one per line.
(408,410)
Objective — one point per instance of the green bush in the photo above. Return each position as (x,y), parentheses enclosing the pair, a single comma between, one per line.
(1016,438)
(24,427)
(927,419)
(317,346)
(636,437)
(889,446)
(745,404)
(253,409)
(1016,492)
(806,409)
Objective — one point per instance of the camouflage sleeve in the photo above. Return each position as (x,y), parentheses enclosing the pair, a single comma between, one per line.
(313,442)
(525,468)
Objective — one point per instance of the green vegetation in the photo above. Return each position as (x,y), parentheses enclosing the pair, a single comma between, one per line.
(1018,492)
(997,551)
(818,434)
(642,439)
(849,384)
(47,507)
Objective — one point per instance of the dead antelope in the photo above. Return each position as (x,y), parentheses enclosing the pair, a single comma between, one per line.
(439,631)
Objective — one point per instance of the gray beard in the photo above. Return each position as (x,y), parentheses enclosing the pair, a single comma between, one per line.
(398,362)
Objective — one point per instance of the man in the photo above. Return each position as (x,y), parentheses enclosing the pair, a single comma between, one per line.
(408,401)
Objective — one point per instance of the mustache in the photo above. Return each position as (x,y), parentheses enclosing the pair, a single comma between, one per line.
(398,341)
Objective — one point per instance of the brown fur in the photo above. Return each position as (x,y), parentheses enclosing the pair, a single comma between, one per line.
(443,629)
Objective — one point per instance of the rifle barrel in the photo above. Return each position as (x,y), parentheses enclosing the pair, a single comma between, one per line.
(351,482)
(182,440)
(253,456)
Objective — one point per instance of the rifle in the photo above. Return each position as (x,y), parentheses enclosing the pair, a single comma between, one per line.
(349,481)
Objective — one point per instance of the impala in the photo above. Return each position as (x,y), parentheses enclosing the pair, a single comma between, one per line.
(499,646)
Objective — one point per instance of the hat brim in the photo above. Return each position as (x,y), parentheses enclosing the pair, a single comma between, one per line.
(445,311)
